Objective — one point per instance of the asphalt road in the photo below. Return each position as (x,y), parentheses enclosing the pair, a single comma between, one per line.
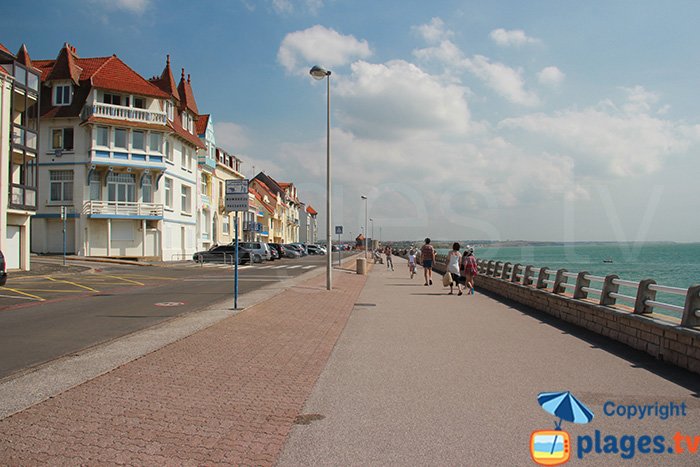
(81,310)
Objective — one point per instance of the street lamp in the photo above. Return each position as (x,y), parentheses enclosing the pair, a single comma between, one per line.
(319,73)
(372,221)
(365,198)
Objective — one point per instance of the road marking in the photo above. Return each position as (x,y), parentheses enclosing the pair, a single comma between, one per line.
(24,293)
(73,283)
(294,267)
(268,267)
(53,290)
(279,267)
(124,279)
(308,267)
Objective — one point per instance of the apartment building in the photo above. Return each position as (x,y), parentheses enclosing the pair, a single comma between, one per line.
(228,167)
(308,225)
(19,139)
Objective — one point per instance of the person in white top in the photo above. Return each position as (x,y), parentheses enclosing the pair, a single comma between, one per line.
(412,262)
(453,260)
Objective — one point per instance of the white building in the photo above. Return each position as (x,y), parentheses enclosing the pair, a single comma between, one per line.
(19,135)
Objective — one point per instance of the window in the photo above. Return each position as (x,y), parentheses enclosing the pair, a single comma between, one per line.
(168,193)
(225,225)
(61,185)
(156,142)
(62,94)
(114,99)
(138,140)
(147,189)
(62,138)
(95,187)
(139,102)
(102,136)
(183,157)
(169,108)
(121,187)
(186,199)
(120,138)
(168,151)
(205,185)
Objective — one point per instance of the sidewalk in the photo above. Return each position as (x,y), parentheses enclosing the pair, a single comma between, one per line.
(226,395)
(423,378)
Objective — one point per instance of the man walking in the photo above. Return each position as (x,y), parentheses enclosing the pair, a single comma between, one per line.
(427,255)
(389,261)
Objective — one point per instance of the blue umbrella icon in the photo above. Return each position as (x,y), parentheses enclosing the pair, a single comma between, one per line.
(565,406)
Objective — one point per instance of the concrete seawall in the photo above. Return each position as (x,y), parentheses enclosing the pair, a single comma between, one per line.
(663,338)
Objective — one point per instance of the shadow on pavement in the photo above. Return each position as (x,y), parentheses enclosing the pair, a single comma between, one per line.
(636,358)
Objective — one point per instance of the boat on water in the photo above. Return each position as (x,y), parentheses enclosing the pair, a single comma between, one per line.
(608,260)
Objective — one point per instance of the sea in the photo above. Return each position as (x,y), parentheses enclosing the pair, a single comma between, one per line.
(670,264)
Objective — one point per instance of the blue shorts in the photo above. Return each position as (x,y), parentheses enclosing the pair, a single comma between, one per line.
(428,263)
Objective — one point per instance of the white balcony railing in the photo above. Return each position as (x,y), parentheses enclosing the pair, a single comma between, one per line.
(123,208)
(119,112)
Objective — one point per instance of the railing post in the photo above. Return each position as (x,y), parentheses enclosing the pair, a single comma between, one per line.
(609,287)
(581,282)
(490,267)
(514,274)
(559,279)
(496,268)
(542,277)
(644,293)
(504,272)
(691,312)
(527,275)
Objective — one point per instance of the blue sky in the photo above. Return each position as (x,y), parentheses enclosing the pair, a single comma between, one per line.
(538,120)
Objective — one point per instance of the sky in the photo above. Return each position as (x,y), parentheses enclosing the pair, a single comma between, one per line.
(542,120)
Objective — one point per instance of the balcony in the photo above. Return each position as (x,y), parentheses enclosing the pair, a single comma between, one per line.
(125,209)
(118,112)
(24,137)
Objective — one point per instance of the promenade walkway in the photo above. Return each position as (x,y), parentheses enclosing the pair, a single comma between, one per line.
(384,370)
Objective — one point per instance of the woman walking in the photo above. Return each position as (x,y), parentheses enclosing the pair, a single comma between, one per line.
(453,258)
(427,256)
(412,261)
(469,269)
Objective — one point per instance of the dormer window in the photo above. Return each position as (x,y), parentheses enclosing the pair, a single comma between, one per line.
(62,94)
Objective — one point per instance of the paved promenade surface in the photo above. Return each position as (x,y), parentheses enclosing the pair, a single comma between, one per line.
(422,378)
(226,395)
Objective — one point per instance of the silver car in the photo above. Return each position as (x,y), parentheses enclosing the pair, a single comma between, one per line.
(260,251)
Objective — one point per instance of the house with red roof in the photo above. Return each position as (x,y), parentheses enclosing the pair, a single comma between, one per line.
(119,154)
(308,225)
(19,139)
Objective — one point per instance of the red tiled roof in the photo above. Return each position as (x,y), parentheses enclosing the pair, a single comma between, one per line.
(23,57)
(186,94)
(2,70)
(259,197)
(4,49)
(126,123)
(201,124)
(116,75)
(184,134)
(65,66)
(166,82)
(311,210)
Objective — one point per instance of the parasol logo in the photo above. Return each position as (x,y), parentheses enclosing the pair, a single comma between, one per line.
(553,447)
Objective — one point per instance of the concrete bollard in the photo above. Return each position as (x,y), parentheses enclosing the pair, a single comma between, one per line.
(362,266)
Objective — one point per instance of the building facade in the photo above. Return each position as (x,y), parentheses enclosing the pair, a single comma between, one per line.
(19,140)
(308,225)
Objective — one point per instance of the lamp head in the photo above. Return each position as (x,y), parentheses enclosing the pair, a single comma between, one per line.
(318,72)
(363,197)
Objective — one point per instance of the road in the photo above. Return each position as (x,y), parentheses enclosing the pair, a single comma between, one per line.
(45,317)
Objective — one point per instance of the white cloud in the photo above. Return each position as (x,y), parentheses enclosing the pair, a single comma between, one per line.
(398,99)
(605,141)
(551,76)
(233,137)
(133,6)
(506,81)
(515,38)
(285,7)
(639,100)
(319,45)
(433,32)
(282,6)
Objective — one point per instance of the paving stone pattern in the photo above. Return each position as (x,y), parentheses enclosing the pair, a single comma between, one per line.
(226,395)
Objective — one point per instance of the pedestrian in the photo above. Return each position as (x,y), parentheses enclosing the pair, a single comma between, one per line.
(469,269)
(453,266)
(427,254)
(389,261)
(412,262)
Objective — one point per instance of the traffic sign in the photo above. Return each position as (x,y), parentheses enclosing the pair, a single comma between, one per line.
(339,230)
(236,195)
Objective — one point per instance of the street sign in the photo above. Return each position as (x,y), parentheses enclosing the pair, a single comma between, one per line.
(236,195)
(339,230)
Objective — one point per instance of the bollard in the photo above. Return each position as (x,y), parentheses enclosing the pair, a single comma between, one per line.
(541,278)
(644,293)
(691,311)
(527,276)
(361,266)
(504,272)
(516,270)
(609,287)
(581,283)
(559,279)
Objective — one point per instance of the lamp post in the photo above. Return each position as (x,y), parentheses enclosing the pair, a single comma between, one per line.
(366,233)
(372,222)
(319,73)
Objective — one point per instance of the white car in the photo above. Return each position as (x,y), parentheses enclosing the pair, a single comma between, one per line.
(259,251)
(316,250)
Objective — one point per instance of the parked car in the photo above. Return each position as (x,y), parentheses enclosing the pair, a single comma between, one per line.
(297,247)
(3,269)
(222,254)
(290,252)
(274,253)
(260,251)
(315,250)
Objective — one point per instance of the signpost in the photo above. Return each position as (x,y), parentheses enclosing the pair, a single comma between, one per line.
(339,232)
(236,200)
(63,218)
